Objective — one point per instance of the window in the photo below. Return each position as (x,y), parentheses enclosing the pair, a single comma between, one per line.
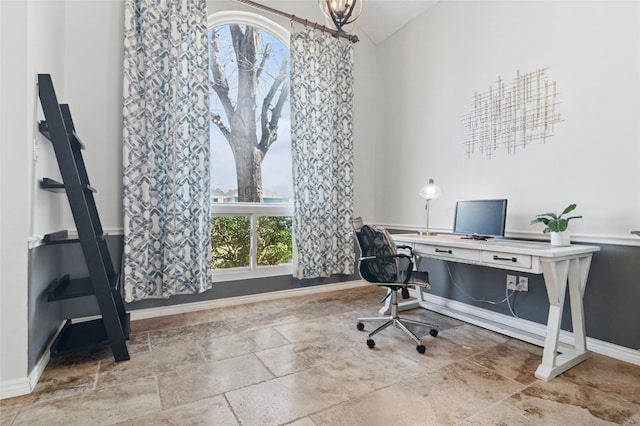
(251,199)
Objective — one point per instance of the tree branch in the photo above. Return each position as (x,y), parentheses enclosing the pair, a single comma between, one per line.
(219,83)
(265,56)
(217,120)
(269,126)
(277,110)
(244,44)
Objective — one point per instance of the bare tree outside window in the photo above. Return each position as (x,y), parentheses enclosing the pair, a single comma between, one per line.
(250,79)
(249,91)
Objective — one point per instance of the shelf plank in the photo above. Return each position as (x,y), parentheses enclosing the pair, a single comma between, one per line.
(55,186)
(62,237)
(51,185)
(75,337)
(66,288)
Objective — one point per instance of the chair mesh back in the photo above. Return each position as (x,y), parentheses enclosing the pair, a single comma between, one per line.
(374,240)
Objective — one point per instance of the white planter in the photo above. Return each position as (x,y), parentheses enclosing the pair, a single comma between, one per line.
(561,238)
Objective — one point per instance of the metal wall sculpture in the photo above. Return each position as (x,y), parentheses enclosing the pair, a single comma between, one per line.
(513,115)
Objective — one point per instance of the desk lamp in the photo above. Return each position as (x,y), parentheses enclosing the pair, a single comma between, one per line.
(429,192)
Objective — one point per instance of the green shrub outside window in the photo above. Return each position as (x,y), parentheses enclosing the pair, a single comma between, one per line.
(231,241)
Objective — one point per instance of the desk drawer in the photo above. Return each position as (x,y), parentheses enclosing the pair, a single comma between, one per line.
(447,252)
(507,259)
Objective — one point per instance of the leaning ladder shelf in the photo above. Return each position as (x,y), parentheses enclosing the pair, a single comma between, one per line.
(112,327)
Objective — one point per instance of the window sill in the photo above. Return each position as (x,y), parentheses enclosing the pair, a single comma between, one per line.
(235,274)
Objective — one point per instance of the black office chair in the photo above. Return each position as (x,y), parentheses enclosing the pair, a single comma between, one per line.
(382,265)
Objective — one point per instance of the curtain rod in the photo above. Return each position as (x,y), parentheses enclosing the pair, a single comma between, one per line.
(351,37)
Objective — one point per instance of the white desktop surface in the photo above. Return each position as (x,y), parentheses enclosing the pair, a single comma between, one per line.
(534,248)
(562,268)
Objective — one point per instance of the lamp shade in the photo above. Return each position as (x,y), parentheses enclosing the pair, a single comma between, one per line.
(430,190)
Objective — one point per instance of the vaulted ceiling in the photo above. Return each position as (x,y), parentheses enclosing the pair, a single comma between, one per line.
(382,18)
(379,18)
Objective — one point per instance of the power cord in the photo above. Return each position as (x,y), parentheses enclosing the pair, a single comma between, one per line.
(506,290)
(491,302)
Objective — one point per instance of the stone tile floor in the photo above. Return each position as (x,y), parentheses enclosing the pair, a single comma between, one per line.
(302,361)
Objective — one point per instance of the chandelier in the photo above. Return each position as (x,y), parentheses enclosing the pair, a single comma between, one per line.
(341,12)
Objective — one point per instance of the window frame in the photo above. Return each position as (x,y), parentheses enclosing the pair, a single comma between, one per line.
(253,210)
(248,18)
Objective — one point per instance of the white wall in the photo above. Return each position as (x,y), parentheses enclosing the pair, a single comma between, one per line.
(93,83)
(13,201)
(30,34)
(430,69)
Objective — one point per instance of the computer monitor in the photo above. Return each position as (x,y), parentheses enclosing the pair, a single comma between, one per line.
(480,219)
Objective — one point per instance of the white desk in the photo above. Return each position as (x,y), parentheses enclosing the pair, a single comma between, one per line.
(558,265)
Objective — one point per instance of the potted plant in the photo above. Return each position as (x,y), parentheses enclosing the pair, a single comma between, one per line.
(557,225)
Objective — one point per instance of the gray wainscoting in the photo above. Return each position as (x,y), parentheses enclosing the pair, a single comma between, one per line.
(610,301)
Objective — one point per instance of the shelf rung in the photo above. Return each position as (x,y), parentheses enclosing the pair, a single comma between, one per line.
(66,288)
(75,141)
(70,288)
(55,186)
(51,185)
(62,237)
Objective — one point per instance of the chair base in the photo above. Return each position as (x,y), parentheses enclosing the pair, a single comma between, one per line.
(395,320)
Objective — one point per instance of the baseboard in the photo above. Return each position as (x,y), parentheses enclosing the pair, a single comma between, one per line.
(15,387)
(522,329)
(35,374)
(518,328)
(27,384)
(23,386)
(138,314)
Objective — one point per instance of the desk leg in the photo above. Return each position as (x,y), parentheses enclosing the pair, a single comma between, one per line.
(578,272)
(556,274)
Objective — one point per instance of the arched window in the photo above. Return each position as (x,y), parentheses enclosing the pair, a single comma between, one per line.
(250,146)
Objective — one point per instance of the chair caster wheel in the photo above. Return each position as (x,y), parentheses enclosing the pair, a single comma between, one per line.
(360,326)
(371,343)
(433,332)
(420,348)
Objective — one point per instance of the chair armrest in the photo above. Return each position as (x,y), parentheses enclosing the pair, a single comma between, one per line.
(404,247)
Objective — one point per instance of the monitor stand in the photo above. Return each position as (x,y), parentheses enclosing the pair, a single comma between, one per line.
(475,237)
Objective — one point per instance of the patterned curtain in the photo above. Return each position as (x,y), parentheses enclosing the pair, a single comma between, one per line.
(322,149)
(166,149)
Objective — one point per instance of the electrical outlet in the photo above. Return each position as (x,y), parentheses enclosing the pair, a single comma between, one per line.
(512,282)
(523,284)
